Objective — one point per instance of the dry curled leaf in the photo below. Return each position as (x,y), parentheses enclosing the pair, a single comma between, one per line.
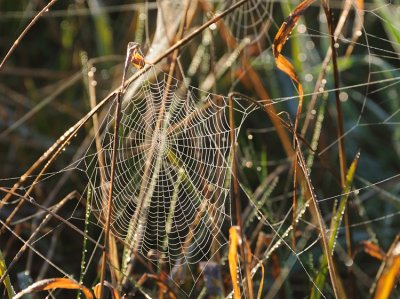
(55,283)
(373,250)
(137,59)
(280,39)
(114,292)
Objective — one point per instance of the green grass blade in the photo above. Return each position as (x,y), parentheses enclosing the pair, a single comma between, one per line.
(7,282)
(84,249)
(321,277)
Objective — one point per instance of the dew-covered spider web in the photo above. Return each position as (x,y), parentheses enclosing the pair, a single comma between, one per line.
(173,201)
(171,195)
(250,21)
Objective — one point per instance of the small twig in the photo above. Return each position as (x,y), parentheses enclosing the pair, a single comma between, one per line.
(325,246)
(18,40)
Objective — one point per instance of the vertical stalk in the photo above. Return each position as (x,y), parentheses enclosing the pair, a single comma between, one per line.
(340,132)
(234,174)
(236,196)
(131,48)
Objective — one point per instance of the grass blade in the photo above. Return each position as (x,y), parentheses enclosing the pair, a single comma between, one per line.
(233,260)
(389,275)
(321,277)
(7,282)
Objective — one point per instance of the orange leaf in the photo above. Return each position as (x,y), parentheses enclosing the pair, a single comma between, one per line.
(391,271)
(137,60)
(114,292)
(281,62)
(55,283)
(233,259)
(287,26)
(373,250)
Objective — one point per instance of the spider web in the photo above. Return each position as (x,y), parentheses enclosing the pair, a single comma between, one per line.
(250,20)
(173,171)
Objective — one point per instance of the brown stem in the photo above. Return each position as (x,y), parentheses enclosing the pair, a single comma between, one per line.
(236,196)
(324,65)
(340,131)
(132,47)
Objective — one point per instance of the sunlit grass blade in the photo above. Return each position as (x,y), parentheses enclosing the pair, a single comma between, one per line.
(391,270)
(388,280)
(233,258)
(7,281)
(321,277)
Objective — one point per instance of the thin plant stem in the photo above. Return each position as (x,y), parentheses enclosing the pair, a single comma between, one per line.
(340,131)
(132,47)
(33,22)
(324,65)
(236,196)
